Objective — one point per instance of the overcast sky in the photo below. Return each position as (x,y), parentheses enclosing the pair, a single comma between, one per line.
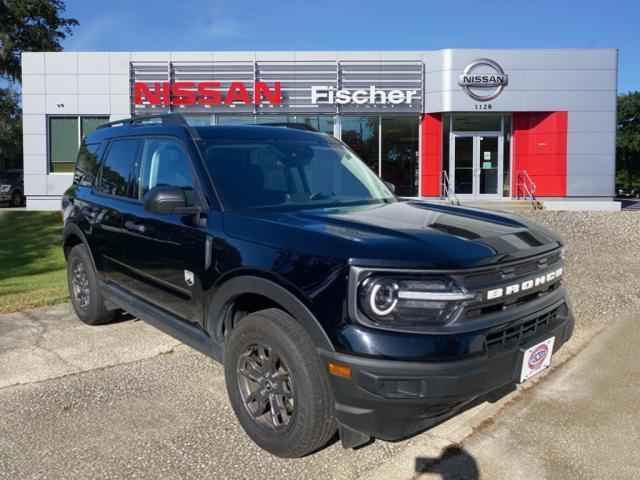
(361,25)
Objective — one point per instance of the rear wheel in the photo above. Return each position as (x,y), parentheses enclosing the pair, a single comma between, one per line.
(84,289)
(277,386)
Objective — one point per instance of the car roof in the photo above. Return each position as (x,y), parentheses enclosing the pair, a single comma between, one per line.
(210,132)
(257,132)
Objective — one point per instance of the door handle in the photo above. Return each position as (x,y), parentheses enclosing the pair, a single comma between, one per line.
(134,227)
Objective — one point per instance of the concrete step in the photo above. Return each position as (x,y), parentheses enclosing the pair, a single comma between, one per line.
(504,205)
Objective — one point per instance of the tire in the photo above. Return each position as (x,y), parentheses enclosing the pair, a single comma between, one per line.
(16,198)
(84,289)
(637,195)
(305,419)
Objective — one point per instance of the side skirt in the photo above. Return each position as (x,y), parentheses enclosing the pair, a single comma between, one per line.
(170,324)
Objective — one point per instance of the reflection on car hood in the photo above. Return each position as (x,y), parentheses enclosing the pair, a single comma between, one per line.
(402,234)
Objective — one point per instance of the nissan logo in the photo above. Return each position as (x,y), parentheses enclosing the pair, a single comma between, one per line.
(483,84)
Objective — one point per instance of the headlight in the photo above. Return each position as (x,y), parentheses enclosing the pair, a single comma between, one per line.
(5,188)
(404,301)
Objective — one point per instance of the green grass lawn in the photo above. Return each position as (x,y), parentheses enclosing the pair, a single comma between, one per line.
(32,264)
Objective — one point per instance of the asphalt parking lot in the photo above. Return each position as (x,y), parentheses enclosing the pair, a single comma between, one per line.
(629,204)
(125,400)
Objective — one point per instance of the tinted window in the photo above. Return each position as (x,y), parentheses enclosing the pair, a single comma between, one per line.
(118,167)
(165,164)
(11,177)
(284,173)
(86,164)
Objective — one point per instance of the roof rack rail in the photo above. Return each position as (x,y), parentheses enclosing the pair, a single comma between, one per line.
(165,119)
(297,126)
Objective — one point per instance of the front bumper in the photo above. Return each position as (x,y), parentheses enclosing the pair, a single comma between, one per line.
(392,399)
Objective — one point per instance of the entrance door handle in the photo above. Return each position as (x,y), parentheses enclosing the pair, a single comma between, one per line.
(134,227)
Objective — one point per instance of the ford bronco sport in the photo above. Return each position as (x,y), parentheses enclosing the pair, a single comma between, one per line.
(333,305)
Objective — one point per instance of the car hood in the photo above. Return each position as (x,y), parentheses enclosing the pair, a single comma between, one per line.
(405,234)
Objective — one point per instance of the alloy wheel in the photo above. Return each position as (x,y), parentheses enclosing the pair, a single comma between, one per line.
(80,284)
(266,387)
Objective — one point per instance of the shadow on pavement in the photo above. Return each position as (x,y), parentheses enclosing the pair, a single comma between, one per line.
(454,463)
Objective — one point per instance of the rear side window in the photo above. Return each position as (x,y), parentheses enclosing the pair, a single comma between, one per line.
(165,163)
(118,168)
(86,164)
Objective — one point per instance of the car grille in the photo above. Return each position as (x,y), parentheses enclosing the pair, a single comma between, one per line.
(520,334)
(503,275)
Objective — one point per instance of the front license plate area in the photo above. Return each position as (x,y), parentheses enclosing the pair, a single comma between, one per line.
(534,359)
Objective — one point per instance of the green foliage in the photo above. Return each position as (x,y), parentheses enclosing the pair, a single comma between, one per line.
(30,25)
(31,260)
(628,137)
(10,130)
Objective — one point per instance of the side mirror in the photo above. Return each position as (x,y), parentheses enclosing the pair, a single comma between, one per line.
(390,186)
(167,201)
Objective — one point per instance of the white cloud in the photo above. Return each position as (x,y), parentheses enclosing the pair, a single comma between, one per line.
(224,27)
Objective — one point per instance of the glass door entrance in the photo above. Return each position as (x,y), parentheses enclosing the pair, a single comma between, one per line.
(476,164)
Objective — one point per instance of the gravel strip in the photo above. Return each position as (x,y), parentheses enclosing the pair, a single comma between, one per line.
(603,264)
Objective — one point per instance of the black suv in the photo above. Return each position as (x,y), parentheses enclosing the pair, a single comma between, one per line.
(334,305)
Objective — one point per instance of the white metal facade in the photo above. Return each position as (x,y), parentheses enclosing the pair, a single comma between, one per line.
(581,82)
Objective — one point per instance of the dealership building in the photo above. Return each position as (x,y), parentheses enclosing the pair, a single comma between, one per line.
(485,124)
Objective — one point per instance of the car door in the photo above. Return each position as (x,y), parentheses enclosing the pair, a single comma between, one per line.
(166,253)
(112,195)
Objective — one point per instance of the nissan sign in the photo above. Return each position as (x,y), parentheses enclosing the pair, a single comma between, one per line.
(483,79)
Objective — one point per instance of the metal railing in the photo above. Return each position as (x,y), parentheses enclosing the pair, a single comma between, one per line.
(448,190)
(526,189)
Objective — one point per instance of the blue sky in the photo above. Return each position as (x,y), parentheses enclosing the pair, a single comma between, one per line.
(361,25)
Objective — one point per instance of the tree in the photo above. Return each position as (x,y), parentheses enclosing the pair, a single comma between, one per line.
(628,136)
(10,130)
(25,25)
(30,25)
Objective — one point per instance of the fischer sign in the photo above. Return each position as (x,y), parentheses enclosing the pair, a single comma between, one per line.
(205,93)
(372,95)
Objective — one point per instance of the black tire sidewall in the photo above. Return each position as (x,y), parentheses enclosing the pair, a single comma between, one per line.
(17,195)
(298,439)
(95,313)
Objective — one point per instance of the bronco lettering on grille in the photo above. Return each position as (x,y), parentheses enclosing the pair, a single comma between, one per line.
(523,286)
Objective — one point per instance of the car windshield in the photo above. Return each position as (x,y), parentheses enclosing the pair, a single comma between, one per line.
(285,173)
(10,177)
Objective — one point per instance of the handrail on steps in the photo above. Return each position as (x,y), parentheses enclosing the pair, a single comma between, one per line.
(526,189)
(448,191)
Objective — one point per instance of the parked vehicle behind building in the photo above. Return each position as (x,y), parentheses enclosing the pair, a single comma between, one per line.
(623,191)
(333,304)
(12,188)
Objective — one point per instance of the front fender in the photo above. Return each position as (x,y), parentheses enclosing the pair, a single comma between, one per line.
(237,286)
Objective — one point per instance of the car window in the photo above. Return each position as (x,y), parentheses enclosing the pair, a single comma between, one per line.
(117,171)
(11,177)
(86,164)
(165,163)
(285,173)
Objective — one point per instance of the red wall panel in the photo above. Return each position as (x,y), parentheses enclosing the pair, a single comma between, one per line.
(540,148)
(431,156)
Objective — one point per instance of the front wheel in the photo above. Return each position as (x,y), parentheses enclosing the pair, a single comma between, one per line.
(16,199)
(277,386)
